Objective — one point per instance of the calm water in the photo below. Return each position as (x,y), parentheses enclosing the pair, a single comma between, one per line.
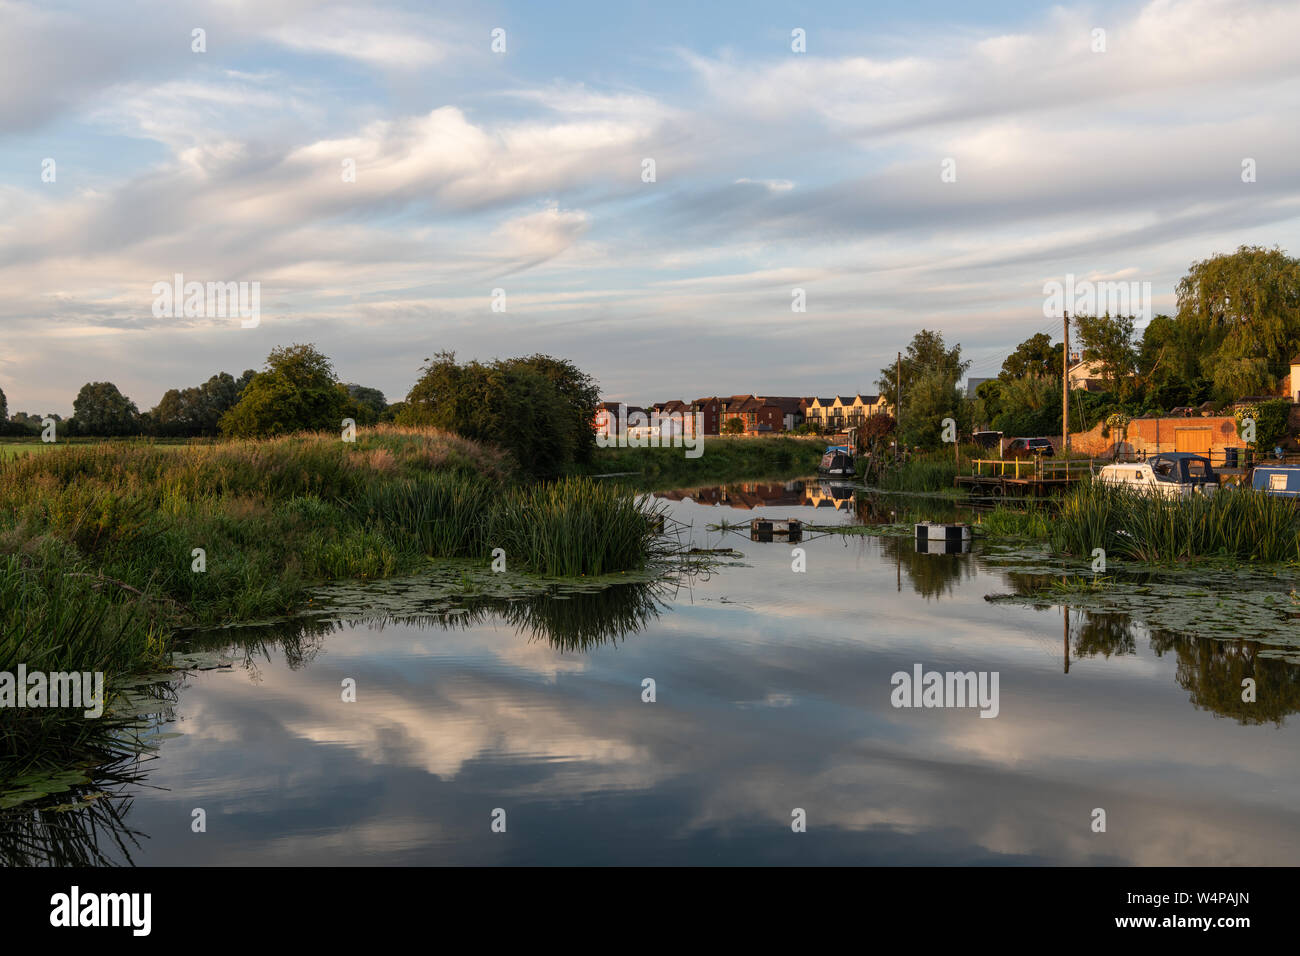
(773,693)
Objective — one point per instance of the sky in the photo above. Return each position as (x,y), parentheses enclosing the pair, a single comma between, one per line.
(916,165)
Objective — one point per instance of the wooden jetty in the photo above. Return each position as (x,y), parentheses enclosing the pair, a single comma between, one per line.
(1037,477)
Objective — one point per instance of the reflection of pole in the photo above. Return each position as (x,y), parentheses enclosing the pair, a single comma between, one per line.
(898,564)
(1066,608)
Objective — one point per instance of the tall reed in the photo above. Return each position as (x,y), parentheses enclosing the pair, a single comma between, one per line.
(1239,523)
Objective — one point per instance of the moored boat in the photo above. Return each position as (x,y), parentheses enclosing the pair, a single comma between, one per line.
(1281,480)
(1172,474)
(837,460)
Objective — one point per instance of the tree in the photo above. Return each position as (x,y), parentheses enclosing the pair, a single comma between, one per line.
(297,391)
(1169,365)
(511,403)
(579,392)
(370,401)
(734,426)
(4,406)
(197,411)
(926,354)
(1243,309)
(1034,356)
(873,431)
(100,409)
(1109,341)
(934,396)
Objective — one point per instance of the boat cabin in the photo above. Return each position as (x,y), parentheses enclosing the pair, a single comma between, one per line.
(1282,480)
(837,460)
(1173,474)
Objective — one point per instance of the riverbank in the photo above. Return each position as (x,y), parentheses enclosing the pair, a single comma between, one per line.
(107,550)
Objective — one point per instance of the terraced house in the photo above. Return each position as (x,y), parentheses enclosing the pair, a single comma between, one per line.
(844,411)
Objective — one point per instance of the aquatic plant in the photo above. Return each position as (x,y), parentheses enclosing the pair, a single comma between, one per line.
(1239,523)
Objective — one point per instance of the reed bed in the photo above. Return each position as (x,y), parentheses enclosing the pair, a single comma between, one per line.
(1238,523)
(567,528)
(1027,522)
(923,473)
(52,620)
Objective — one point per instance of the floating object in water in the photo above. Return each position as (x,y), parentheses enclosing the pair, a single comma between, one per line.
(770,529)
(935,538)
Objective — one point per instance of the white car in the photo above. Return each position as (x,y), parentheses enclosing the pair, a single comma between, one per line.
(1174,475)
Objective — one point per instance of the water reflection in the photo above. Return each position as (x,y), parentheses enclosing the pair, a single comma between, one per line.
(747,495)
(930,575)
(572,621)
(84,826)
(773,693)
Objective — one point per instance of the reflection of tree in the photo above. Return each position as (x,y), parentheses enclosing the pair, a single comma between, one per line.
(1107,634)
(299,639)
(878,507)
(570,621)
(931,575)
(575,622)
(1212,670)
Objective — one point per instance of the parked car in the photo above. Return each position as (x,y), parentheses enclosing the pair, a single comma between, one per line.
(1029,448)
(1172,474)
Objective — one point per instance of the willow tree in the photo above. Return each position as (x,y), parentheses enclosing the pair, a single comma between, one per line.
(1242,310)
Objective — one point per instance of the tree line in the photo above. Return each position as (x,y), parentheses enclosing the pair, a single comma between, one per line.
(1235,332)
(537,407)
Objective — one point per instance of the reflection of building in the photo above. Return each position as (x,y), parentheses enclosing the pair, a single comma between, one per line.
(747,495)
(824,494)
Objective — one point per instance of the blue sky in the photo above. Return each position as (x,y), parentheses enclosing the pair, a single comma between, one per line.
(521,170)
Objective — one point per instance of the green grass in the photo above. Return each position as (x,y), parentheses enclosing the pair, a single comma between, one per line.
(929,472)
(1241,524)
(52,619)
(14,449)
(1010,522)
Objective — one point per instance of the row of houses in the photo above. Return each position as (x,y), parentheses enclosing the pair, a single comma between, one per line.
(757,414)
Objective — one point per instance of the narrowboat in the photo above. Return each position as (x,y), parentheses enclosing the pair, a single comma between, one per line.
(837,460)
(1281,480)
(1172,474)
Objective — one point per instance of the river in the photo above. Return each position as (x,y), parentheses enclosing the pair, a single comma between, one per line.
(521,732)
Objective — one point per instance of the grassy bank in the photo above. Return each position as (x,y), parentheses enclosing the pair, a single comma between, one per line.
(928,472)
(722,460)
(100,559)
(1241,524)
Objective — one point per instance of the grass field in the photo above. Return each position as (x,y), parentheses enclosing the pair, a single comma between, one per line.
(11,448)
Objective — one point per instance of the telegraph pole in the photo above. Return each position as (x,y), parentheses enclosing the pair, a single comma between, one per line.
(1065,393)
(898,403)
